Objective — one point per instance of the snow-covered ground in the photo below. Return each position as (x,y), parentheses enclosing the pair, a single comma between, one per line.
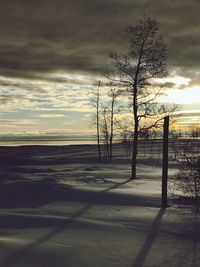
(59,209)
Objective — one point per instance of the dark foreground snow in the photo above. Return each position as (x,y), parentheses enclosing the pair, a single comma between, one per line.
(60,214)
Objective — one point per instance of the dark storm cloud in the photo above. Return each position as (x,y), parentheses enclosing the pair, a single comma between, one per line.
(44,35)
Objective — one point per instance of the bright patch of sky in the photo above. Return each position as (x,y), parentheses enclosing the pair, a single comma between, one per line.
(185,96)
(60,103)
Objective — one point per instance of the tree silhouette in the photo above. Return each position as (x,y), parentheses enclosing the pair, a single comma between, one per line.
(135,71)
(95,102)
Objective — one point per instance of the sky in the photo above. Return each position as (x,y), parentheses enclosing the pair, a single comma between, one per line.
(53,51)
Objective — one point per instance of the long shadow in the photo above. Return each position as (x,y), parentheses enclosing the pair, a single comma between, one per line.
(139,261)
(30,193)
(22,252)
(46,155)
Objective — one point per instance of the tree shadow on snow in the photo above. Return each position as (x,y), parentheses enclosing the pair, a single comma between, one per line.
(60,226)
(34,193)
(139,261)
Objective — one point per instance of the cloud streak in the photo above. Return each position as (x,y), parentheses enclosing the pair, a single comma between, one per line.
(53,51)
(41,36)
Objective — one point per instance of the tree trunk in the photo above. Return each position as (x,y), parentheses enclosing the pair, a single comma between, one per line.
(136,126)
(98,144)
(111,129)
(97,123)
(106,136)
(99,148)
(165,162)
(134,151)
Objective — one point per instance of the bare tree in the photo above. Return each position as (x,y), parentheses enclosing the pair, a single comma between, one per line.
(105,111)
(95,101)
(135,71)
(113,94)
(105,131)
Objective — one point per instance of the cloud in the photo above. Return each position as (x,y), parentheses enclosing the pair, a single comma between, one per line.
(52,52)
(44,36)
(11,122)
(51,116)
(187,113)
(17,101)
(25,85)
